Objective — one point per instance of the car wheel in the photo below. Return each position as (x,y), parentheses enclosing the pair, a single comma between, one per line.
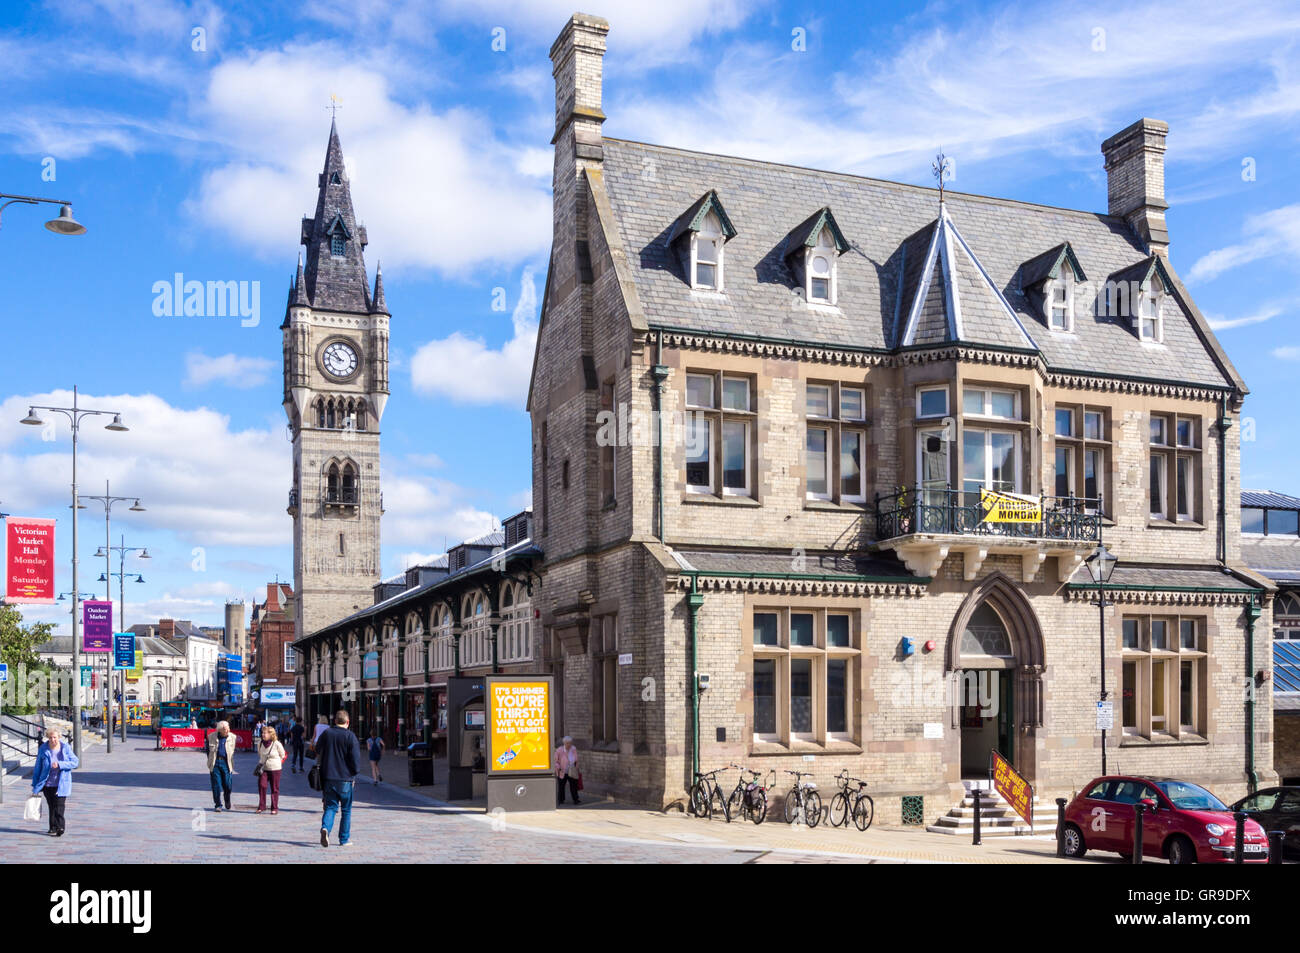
(1074,845)
(1181,851)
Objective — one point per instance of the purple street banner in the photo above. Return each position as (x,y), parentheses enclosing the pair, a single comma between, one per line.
(96,626)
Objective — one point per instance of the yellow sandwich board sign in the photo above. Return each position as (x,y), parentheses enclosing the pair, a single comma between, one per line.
(1010,507)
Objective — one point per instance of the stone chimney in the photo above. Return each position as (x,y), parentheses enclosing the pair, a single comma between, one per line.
(1135,180)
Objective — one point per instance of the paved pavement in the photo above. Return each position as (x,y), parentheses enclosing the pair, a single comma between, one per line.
(139,805)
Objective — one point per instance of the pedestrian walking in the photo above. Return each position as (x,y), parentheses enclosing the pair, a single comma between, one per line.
(221,765)
(270,762)
(321,724)
(52,775)
(297,735)
(338,756)
(567,771)
(376,745)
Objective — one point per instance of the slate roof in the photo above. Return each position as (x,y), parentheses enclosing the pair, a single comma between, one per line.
(889,225)
(1174,577)
(1276,557)
(334,283)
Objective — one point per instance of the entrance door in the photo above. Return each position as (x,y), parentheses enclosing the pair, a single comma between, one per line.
(987,719)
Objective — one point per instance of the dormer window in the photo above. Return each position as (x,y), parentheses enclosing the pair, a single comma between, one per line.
(338,246)
(1060,302)
(334,179)
(812,250)
(699,237)
(821,269)
(706,255)
(1150,325)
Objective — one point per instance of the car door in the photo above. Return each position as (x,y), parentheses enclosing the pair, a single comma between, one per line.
(1123,796)
(1097,820)
(1288,820)
(1262,807)
(1156,825)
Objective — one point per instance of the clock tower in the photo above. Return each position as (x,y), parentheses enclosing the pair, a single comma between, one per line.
(335,388)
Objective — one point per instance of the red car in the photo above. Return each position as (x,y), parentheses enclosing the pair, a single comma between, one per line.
(1183,822)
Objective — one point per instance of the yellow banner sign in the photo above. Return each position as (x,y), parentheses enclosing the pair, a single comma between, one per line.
(1010,507)
(1018,792)
(519,729)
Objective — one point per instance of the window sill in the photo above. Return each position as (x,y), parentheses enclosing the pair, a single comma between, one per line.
(777,749)
(1167,524)
(854,506)
(711,499)
(610,746)
(1163,741)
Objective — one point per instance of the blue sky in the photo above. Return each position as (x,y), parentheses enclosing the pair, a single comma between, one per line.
(198,152)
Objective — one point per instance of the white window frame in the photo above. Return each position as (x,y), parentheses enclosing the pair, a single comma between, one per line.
(987,412)
(1065,285)
(920,391)
(289,659)
(1068,450)
(835,424)
(824,247)
(827,455)
(710,230)
(987,480)
(1149,309)
(716,412)
(747,489)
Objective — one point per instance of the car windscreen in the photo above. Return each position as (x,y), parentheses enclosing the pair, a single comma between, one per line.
(1190,797)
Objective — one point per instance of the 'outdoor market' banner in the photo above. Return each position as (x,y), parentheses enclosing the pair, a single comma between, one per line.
(96,626)
(29,560)
(1010,507)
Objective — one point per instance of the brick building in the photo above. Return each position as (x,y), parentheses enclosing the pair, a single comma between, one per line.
(765,401)
(272,665)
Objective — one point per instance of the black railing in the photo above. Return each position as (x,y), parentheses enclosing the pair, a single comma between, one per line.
(957,513)
(344,497)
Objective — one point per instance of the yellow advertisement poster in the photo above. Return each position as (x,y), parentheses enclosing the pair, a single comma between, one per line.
(1010,507)
(519,729)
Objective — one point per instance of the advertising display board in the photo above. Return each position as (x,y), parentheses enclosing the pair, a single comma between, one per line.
(96,626)
(519,725)
(1018,792)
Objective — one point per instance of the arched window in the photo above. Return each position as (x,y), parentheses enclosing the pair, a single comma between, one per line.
(329,414)
(320,413)
(707,253)
(349,484)
(1287,605)
(986,635)
(507,596)
(332,483)
(821,269)
(361,415)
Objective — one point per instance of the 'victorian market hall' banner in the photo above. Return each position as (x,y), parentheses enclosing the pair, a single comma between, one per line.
(29,560)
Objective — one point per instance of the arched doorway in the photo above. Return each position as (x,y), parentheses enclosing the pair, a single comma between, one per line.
(995,663)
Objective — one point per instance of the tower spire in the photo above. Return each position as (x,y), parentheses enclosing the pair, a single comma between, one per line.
(377,303)
(335,270)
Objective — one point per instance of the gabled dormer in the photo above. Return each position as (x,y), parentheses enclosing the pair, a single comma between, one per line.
(1137,295)
(339,236)
(698,236)
(811,251)
(1050,282)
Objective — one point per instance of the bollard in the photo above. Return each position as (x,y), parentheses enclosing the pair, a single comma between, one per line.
(1238,851)
(1060,827)
(976,794)
(1139,809)
(1275,839)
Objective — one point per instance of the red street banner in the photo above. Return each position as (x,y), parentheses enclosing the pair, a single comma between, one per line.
(1018,792)
(243,738)
(29,560)
(96,625)
(181,738)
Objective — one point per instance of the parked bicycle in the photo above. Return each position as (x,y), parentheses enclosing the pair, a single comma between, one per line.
(706,795)
(749,799)
(803,802)
(848,804)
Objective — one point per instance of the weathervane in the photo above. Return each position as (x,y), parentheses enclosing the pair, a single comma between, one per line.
(335,105)
(942,170)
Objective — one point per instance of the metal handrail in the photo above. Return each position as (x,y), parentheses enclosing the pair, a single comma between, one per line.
(945,511)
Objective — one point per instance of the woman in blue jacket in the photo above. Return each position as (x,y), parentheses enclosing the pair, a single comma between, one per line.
(53,775)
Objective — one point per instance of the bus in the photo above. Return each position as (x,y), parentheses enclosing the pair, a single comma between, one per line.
(171,715)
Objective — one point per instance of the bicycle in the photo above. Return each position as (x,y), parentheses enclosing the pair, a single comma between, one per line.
(749,799)
(706,795)
(863,809)
(803,801)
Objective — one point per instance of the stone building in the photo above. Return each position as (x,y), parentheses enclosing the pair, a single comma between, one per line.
(335,388)
(765,401)
(1270,544)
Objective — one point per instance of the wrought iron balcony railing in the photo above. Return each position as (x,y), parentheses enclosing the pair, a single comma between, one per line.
(958,513)
(345,497)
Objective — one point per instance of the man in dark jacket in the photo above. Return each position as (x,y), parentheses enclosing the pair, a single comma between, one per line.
(338,753)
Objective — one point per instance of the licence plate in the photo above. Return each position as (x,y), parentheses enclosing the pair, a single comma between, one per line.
(1254,848)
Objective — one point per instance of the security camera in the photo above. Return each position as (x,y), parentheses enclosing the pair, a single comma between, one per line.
(703,680)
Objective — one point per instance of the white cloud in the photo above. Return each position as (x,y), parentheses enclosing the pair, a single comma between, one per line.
(229,369)
(466,370)
(1274,233)
(1290,353)
(1218,323)
(420,511)
(435,190)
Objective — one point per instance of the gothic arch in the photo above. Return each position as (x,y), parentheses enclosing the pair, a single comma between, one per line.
(1006,598)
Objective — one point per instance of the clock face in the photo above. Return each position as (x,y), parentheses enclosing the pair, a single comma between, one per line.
(339,359)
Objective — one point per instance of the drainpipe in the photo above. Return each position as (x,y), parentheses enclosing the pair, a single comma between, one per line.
(660,374)
(1225,424)
(1253,612)
(693,603)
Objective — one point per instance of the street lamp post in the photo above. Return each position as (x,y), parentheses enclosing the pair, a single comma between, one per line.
(1101,563)
(77,599)
(121,575)
(74,414)
(107,552)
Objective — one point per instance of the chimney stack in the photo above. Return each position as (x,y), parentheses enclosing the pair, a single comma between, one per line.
(1135,180)
(576,58)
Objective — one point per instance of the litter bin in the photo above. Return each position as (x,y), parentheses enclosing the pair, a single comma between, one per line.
(419,764)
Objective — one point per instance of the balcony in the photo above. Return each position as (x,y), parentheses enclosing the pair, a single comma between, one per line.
(347,497)
(922,527)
